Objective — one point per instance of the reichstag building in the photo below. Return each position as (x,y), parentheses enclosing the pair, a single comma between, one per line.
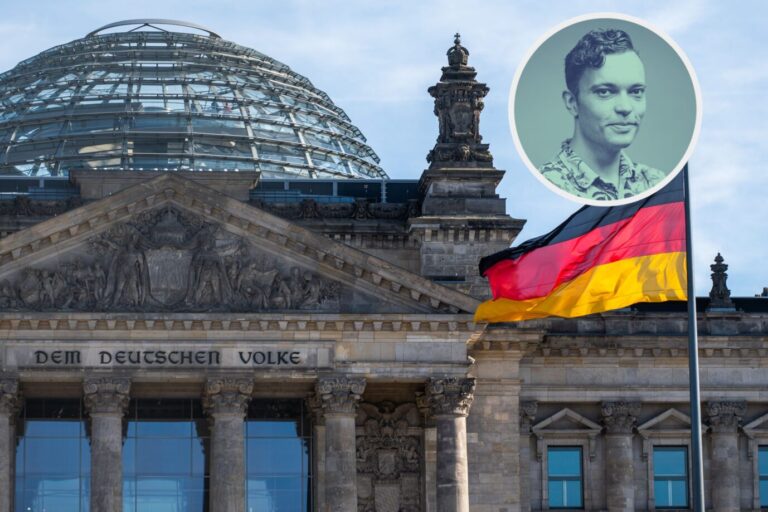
(213,298)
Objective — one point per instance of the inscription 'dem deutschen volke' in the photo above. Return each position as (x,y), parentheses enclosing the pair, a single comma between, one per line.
(170,358)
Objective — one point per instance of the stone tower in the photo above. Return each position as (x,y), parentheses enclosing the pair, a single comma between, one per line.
(462,217)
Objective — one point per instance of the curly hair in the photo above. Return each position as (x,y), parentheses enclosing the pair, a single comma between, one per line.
(590,52)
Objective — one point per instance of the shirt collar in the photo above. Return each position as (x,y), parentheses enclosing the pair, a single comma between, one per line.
(585,177)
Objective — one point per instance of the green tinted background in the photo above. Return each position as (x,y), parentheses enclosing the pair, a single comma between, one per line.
(543,123)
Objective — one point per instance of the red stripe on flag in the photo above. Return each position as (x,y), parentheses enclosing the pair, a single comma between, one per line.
(652,230)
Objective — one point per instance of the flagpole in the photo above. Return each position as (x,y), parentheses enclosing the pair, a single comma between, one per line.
(693,362)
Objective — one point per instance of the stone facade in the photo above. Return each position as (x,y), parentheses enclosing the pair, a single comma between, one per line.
(165,285)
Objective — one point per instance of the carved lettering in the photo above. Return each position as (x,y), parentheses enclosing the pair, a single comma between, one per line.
(60,357)
(270,358)
(153,358)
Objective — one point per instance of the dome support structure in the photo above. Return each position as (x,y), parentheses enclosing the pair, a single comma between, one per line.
(152,22)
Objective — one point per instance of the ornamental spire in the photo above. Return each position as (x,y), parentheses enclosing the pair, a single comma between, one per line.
(458,103)
(720,295)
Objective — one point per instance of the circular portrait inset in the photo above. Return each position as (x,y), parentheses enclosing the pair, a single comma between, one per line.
(605,110)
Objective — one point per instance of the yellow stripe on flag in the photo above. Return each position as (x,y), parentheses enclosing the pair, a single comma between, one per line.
(653,278)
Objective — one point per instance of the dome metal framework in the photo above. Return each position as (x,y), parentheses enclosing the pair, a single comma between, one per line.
(152,99)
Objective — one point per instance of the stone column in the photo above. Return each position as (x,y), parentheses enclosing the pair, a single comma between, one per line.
(338,397)
(449,401)
(619,419)
(10,400)
(106,400)
(527,417)
(226,401)
(723,418)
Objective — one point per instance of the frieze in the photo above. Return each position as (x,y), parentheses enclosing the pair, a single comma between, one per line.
(388,456)
(165,260)
(23,206)
(225,322)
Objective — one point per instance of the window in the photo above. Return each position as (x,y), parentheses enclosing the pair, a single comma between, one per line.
(762,465)
(277,448)
(670,476)
(564,477)
(164,456)
(53,457)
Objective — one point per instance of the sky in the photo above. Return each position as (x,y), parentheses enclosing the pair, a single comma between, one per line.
(376,59)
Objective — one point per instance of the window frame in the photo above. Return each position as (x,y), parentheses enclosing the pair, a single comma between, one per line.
(655,434)
(558,446)
(757,436)
(666,446)
(583,435)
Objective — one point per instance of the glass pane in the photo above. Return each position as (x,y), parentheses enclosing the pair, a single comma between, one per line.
(164,428)
(564,461)
(275,456)
(273,429)
(679,493)
(762,461)
(129,457)
(670,461)
(218,126)
(159,124)
(49,428)
(275,494)
(556,493)
(163,456)
(763,493)
(52,456)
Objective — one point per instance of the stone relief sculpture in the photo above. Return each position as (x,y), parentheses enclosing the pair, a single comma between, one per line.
(168,261)
(388,457)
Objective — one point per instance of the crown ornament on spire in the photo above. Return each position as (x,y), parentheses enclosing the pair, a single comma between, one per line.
(457,55)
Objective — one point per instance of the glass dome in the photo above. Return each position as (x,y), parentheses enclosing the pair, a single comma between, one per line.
(156,99)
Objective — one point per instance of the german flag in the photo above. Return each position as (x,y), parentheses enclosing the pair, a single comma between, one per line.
(599,259)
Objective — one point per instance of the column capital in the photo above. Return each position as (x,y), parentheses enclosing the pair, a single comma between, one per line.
(10,396)
(315,407)
(724,416)
(451,396)
(528,411)
(106,395)
(338,394)
(620,417)
(227,395)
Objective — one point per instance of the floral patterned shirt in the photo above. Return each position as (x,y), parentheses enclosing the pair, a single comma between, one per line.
(571,174)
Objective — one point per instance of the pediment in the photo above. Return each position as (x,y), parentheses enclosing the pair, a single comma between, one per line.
(566,420)
(757,427)
(669,420)
(171,244)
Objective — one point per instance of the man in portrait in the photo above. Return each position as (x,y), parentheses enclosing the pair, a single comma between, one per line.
(605,94)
